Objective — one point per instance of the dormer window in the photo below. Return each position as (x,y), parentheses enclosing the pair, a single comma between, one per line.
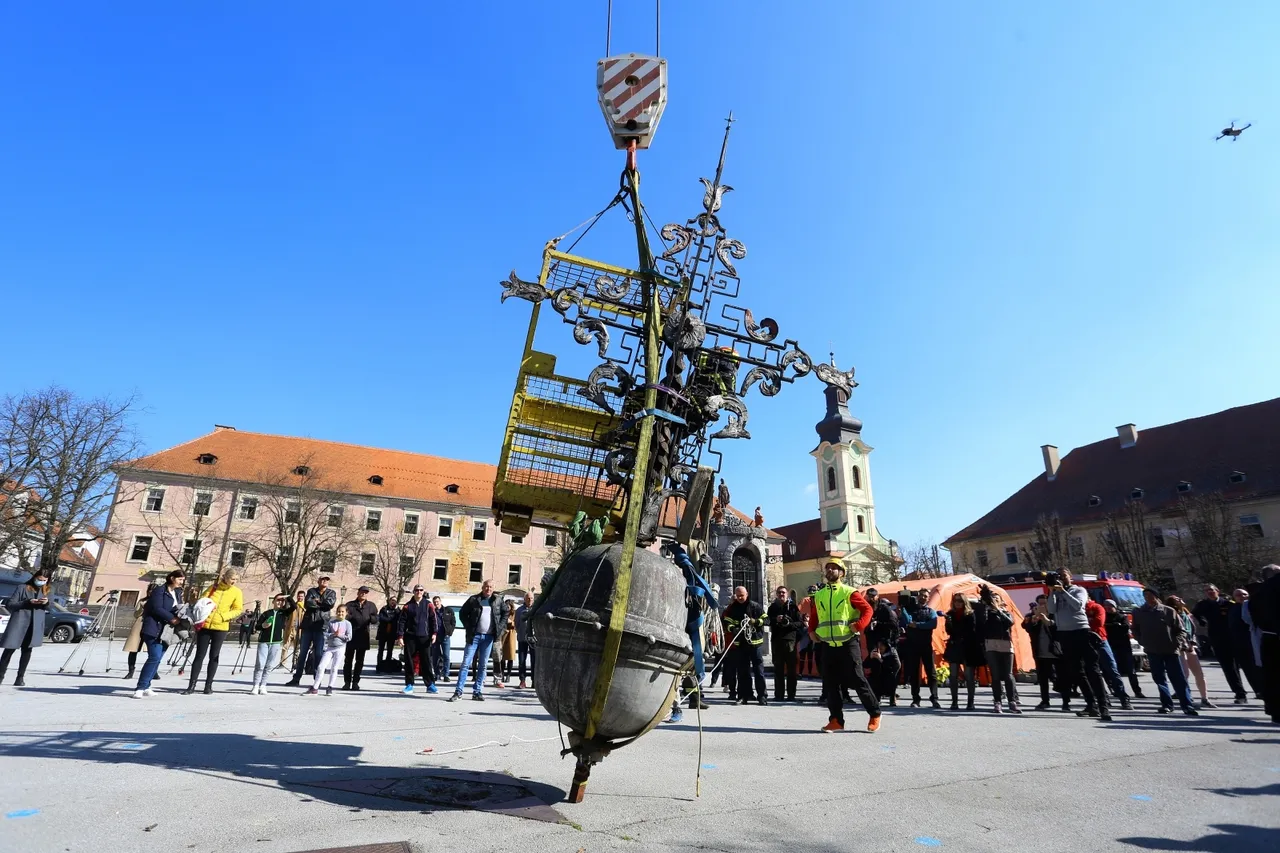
(1136,495)
(302,470)
(1184,487)
(452,488)
(1237,477)
(206,459)
(375,480)
(1094,500)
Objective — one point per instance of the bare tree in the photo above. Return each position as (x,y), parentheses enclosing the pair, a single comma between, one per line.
(304,527)
(1126,540)
(1214,546)
(57,455)
(397,560)
(1052,547)
(187,537)
(927,560)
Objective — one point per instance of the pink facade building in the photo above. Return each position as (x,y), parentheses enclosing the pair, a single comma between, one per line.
(284,510)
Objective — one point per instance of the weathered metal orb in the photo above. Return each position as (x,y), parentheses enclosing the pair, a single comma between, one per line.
(570,627)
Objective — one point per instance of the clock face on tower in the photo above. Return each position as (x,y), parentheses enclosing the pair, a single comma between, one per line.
(827,455)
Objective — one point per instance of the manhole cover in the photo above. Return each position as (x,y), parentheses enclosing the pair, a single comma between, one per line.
(458,789)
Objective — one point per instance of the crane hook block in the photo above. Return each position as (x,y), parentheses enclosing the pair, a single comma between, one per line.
(633,93)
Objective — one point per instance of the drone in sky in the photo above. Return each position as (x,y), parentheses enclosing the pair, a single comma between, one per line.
(1233,131)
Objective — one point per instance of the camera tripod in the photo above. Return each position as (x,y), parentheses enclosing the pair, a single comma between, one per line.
(104,624)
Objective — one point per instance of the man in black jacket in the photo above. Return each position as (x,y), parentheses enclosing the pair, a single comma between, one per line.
(443,648)
(317,606)
(482,617)
(361,613)
(747,616)
(1211,614)
(784,620)
(1264,612)
(418,629)
(883,663)
(388,623)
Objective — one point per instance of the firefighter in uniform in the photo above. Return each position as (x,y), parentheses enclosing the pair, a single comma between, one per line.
(840,614)
(749,617)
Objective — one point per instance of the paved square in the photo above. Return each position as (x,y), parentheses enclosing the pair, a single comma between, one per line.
(86,767)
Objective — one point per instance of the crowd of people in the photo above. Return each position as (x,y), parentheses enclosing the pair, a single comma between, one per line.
(856,642)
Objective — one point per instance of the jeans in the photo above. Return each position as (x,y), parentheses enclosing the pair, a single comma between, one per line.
(1080,652)
(155,654)
(267,660)
(750,668)
(478,649)
(970,681)
(842,669)
(1001,666)
(418,649)
(328,660)
(441,652)
(1111,672)
(784,667)
(524,650)
(207,642)
(1166,668)
(310,639)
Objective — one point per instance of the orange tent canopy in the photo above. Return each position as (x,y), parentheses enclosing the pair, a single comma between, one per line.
(939,592)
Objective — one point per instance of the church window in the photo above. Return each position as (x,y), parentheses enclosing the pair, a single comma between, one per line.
(831,479)
(857,477)
(862,525)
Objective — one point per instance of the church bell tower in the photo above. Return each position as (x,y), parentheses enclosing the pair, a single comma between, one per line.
(845,504)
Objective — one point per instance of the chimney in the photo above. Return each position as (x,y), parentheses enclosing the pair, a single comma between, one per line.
(221,427)
(1128,435)
(1050,454)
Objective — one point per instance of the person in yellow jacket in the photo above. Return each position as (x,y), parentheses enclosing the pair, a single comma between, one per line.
(840,614)
(228,604)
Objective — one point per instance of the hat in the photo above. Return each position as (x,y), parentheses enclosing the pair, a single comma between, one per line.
(1112,602)
(363,589)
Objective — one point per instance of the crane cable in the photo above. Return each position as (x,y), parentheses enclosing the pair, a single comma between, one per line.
(657,30)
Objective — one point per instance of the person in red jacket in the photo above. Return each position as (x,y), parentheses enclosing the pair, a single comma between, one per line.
(1097,616)
(839,616)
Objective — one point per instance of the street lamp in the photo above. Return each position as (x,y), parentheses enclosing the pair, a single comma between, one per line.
(791,547)
(342,594)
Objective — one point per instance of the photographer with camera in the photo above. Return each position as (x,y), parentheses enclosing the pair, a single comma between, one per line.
(1066,604)
(883,663)
(784,620)
(995,626)
(919,621)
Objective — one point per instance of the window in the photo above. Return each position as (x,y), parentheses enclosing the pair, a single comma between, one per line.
(375,480)
(1011,555)
(513,575)
(292,512)
(366,564)
(373,519)
(479,529)
(141,549)
(1075,546)
(155,500)
(862,525)
(327,560)
(239,555)
(441,571)
(452,488)
(981,557)
(406,564)
(831,479)
(410,524)
(206,459)
(1136,495)
(248,509)
(1184,486)
(517,540)
(1094,500)
(446,527)
(1157,537)
(857,477)
(284,557)
(190,552)
(1251,526)
(202,504)
(477,573)
(552,540)
(1237,477)
(335,516)
(302,470)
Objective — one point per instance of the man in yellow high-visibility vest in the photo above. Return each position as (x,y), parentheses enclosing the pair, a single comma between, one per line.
(839,616)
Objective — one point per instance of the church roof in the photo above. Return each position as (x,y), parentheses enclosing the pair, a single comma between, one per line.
(1203,452)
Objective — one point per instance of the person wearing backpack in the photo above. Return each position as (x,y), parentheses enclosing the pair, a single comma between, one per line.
(228,604)
(317,606)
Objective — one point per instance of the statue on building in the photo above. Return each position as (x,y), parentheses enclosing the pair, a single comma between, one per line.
(758,521)
(722,495)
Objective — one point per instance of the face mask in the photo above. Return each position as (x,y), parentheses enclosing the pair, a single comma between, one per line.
(39,583)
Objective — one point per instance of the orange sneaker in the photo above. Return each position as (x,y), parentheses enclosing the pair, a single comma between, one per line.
(833,725)
(873,724)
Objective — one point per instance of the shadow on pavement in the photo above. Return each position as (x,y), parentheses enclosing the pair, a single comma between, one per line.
(330,772)
(1230,838)
(1272,790)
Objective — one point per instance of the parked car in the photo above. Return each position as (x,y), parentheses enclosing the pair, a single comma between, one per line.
(63,626)
(4,618)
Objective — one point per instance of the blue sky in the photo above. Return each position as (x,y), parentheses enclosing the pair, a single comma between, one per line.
(292,217)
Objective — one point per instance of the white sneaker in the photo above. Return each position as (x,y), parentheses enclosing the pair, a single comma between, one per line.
(262,691)
(148,692)
(139,694)
(253,691)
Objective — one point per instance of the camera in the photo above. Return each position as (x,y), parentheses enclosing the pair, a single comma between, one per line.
(984,592)
(1054,579)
